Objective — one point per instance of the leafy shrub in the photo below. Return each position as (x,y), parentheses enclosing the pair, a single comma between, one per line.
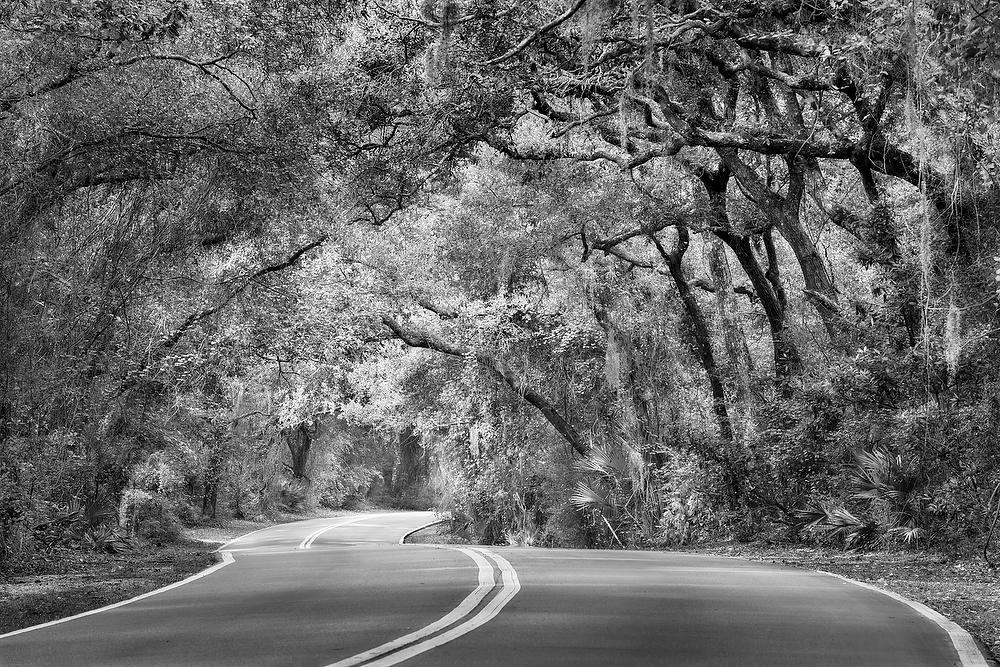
(186,513)
(892,490)
(148,515)
(105,539)
(839,523)
(82,522)
(15,501)
(293,494)
(564,528)
(688,512)
(348,484)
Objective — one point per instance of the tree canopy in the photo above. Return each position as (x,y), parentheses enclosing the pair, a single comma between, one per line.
(593,273)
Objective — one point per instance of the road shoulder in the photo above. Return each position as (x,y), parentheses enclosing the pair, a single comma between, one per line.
(963,590)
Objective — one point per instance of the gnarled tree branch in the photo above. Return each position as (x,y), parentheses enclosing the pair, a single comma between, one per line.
(414,337)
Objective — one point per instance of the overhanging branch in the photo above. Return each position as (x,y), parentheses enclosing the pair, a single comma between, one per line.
(192,319)
(414,337)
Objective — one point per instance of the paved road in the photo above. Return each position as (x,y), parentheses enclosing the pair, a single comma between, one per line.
(339,591)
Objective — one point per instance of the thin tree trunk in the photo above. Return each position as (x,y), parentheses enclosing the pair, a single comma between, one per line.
(740,361)
(299,445)
(699,329)
(411,464)
(733,469)
(787,361)
(621,368)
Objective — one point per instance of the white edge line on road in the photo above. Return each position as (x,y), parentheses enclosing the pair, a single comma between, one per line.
(225,546)
(308,540)
(227,558)
(402,540)
(511,585)
(283,527)
(968,651)
(464,608)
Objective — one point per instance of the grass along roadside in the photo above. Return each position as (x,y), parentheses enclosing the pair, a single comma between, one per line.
(68,581)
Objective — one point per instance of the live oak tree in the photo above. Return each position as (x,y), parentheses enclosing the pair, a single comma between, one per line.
(652,268)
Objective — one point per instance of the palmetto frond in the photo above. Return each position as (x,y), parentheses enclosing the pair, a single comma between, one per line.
(907,533)
(605,461)
(841,518)
(585,497)
(597,462)
(891,483)
(840,522)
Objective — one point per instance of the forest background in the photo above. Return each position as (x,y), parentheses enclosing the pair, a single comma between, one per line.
(586,273)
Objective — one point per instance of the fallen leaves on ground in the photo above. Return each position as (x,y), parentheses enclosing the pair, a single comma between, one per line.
(68,581)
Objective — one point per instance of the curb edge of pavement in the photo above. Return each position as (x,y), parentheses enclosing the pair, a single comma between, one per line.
(970,654)
(225,545)
(402,540)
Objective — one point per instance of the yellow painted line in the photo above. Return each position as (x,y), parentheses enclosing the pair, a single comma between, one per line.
(227,558)
(510,587)
(464,608)
(307,542)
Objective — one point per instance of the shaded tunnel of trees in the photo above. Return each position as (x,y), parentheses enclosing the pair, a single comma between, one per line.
(583,273)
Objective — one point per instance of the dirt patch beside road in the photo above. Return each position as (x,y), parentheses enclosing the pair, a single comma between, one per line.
(71,581)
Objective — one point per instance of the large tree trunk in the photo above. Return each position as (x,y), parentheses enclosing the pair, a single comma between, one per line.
(411,463)
(820,290)
(782,212)
(299,445)
(210,482)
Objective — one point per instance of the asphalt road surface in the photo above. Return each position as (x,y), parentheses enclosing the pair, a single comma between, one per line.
(344,592)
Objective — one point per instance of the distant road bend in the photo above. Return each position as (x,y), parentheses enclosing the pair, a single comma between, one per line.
(344,592)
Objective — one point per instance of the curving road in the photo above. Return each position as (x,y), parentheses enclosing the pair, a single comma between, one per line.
(343,592)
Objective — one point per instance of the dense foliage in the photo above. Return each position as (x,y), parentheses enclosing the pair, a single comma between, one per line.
(589,272)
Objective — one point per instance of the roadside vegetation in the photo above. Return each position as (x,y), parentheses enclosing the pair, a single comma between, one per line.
(69,582)
(594,274)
